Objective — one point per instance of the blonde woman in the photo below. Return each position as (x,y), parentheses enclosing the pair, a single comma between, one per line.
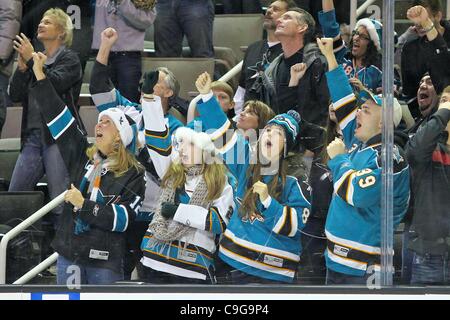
(39,155)
(107,187)
(195,199)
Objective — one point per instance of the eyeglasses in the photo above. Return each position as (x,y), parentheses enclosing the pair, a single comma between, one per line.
(361,35)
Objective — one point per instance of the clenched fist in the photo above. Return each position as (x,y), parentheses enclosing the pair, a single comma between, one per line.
(335,148)
(297,72)
(326,46)
(261,189)
(203,83)
(109,36)
(418,15)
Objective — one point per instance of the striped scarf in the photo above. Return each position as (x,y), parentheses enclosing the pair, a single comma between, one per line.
(90,184)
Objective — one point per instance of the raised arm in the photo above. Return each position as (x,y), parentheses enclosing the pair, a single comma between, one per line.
(436,48)
(331,29)
(103,93)
(157,137)
(228,141)
(342,96)
(419,16)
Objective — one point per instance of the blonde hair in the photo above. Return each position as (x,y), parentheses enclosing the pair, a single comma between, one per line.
(64,22)
(120,159)
(215,175)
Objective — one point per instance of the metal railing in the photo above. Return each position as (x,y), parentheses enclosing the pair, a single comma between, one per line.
(227,76)
(17,230)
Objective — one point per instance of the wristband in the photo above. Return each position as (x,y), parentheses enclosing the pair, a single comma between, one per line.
(429,29)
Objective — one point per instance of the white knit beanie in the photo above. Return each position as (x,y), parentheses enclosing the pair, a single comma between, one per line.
(123,125)
(200,139)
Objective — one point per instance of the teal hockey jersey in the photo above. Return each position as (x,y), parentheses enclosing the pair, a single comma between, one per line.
(353,223)
(265,244)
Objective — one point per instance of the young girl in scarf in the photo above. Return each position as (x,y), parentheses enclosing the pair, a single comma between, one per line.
(262,240)
(194,206)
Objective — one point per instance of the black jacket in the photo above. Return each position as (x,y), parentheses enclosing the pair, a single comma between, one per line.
(65,76)
(257,57)
(420,56)
(429,159)
(310,98)
(103,245)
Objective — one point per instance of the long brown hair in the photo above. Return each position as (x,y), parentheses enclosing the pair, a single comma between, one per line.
(274,187)
(262,110)
(215,175)
(330,135)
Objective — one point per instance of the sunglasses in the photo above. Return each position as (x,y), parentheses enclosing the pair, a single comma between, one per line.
(361,35)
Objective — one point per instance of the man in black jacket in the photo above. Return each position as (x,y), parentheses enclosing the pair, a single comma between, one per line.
(437,76)
(430,47)
(286,86)
(429,157)
(260,54)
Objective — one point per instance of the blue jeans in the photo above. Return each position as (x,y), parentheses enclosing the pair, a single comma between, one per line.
(125,72)
(4,99)
(430,269)
(35,160)
(68,271)
(176,18)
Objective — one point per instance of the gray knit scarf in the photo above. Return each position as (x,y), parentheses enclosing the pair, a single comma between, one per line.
(168,230)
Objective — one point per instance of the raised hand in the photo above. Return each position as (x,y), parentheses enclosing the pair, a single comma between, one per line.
(335,148)
(297,72)
(24,47)
(109,36)
(203,83)
(325,46)
(418,15)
